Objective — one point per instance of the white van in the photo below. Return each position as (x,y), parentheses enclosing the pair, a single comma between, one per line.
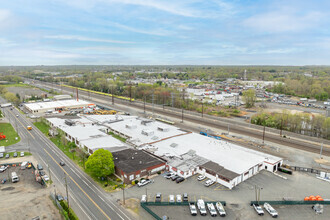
(23,165)
(14,177)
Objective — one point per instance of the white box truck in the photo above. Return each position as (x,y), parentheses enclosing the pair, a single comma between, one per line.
(14,177)
(23,165)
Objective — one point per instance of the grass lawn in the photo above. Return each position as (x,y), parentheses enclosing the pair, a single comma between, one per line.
(43,127)
(17,85)
(117,136)
(1,114)
(10,133)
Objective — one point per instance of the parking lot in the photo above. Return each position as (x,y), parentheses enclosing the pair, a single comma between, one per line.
(26,198)
(296,187)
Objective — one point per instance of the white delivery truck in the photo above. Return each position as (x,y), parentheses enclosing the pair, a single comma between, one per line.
(23,165)
(14,177)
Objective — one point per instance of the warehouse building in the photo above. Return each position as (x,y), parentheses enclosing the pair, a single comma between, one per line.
(185,153)
(63,105)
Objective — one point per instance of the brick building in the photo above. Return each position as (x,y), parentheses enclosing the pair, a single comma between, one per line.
(133,164)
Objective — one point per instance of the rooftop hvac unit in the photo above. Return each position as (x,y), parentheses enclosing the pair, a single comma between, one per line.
(69,122)
(130,126)
(174,145)
(147,132)
(164,129)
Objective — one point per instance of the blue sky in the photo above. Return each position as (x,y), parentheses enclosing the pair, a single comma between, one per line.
(198,32)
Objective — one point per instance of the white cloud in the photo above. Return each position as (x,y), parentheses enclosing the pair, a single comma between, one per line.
(81,38)
(283,21)
(6,43)
(157,32)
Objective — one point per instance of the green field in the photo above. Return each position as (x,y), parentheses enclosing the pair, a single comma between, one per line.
(43,127)
(10,133)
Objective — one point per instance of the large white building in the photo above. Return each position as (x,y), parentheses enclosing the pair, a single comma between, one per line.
(42,107)
(186,153)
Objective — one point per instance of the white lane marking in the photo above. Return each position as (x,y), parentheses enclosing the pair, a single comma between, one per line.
(76,203)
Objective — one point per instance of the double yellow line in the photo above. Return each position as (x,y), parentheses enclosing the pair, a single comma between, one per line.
(79,186)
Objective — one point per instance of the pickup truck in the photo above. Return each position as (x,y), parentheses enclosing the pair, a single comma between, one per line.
(270,210)
(258,209)
(201,206)
(193,210)
(221,209)
(212,210)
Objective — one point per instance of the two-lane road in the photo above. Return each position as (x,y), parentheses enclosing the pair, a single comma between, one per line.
(85,196)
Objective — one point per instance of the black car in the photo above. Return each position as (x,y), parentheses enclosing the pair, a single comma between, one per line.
(185,197)
(62,163)
(179,180)
(158,197)
(174,177)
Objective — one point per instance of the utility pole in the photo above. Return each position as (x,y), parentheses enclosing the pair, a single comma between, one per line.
(113,98)
(123,194)
(172,96)
(321,150)
(152,104)
(182,116)
(146,194)
(281,126)
(130,93)
(49,170)
(163,101)
(144,105)
(67,194)
(202,108)
(263,134)
(228,129)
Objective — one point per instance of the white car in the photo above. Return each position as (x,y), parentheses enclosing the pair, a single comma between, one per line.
(178,198)
(171,199)
(270,210)
(258,209)
(201,177)
(22,154)
(212,210)
(46,178)
(193,210)
(3,168)
(209,183)
(221,209)
(144,198)
(201,207)
(144,182)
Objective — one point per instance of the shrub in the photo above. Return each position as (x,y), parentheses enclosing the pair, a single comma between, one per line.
(118,180)
(133,183)
(159,172)
(136,181)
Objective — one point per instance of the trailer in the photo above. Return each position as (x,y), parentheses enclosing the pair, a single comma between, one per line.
(6,105)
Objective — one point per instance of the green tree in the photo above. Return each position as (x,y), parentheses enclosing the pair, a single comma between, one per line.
(100,163)
(249,97)
(11,97)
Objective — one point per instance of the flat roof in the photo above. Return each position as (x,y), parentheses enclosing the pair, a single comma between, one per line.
(143,131)
(131,160)
(56,104)
(106,142)
(231,156)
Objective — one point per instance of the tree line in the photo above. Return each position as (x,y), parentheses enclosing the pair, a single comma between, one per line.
(301,123)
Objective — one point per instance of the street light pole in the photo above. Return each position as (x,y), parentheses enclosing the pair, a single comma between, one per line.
(67,194)
(263,134)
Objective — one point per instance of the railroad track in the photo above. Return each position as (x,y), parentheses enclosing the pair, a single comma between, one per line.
(301,145)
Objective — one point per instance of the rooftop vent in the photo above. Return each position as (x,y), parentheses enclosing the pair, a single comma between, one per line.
(147,132)
(164,129)
(174,145)
(130,126)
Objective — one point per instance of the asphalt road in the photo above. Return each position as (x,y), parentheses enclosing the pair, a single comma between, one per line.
(85,196)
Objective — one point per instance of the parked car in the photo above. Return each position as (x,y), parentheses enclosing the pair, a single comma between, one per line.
(171,199)
(169,175)
(220,209)
(17,116)
(22,154)
(62,163)
(201,177)
(179,180)
(258,209)
(144,182)
(3,168)
(1,155)
(46,178)
(270,210)
(193,210)
(42,173)
(7,156)
(144,198)
(174,177)
(209,183)
(158,197)
(178,198)
(201,206)
(39,167)
(15,154)
(212,210)
(59,197)
(185,197)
